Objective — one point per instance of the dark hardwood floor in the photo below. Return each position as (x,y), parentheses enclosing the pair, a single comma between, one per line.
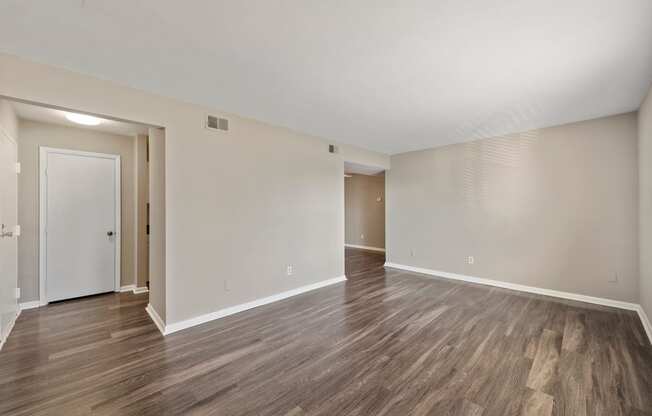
(386,342)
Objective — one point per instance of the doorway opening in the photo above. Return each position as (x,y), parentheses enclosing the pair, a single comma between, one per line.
(364,217)
(85,204)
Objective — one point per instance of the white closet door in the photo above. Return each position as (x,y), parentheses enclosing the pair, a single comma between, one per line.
(81,225)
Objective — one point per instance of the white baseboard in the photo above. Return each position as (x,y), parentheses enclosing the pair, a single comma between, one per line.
(156,318)
(3,337)
(521,288)
(645,321)
(178,326)
(127,288)
(30,305)
(134,289)
(382,250)
(536,290)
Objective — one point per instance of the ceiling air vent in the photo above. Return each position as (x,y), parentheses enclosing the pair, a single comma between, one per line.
(216,123)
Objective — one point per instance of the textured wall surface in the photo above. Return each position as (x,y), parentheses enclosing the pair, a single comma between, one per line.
(555,208)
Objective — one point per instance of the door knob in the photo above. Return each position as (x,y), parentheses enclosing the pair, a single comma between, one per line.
(109,233)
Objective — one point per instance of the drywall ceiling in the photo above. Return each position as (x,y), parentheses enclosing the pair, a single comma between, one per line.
(386,75)
(358,169)
(54,116)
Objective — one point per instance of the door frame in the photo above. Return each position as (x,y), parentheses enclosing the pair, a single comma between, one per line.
(43,154)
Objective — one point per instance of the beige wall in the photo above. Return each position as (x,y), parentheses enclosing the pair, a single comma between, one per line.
(555,208)
(8,119)
(364,214)
(8,216)
(35,134)
(141,192)
(157,234)
(240,206)
(645,207)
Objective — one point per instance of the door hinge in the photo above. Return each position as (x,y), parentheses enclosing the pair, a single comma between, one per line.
(17,167)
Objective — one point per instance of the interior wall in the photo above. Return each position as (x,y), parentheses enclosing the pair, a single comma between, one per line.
(8,216)
(555,208)
(645,207)
(157,233)
(35,134)
(240,206)
(230,197)
(364,209)
(8,119)
(141,198)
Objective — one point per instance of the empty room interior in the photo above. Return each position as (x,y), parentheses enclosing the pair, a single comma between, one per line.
(303,208)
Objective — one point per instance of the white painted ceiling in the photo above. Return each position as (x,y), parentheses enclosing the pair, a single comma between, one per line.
(54,116)
(351,168)
(386,75)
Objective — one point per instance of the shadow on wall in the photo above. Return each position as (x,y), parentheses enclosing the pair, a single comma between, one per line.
(489,167)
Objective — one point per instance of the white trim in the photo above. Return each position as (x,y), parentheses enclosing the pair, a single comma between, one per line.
(198,320)
(128,288)
(645,321)
(156,318)
(42,216)
(518,287)
(133,288)
(43,152)
(30,305)
(382,250)
(3,337)
(118,221)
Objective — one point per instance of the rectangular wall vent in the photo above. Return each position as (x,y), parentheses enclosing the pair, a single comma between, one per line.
(216,123)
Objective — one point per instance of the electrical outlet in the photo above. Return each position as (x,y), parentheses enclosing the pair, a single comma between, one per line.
(412,253)
(290,270)
(227,285)
(361,236)
(17,293)
(470,260)
(613,278)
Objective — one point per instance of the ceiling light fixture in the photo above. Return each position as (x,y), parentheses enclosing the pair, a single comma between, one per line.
(83,119)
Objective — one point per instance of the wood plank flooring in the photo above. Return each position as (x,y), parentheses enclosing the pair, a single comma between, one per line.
(386,342)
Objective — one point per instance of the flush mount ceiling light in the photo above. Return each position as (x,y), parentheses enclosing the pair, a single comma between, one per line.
(83,119)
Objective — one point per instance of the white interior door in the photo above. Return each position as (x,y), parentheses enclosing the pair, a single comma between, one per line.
(81,223)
